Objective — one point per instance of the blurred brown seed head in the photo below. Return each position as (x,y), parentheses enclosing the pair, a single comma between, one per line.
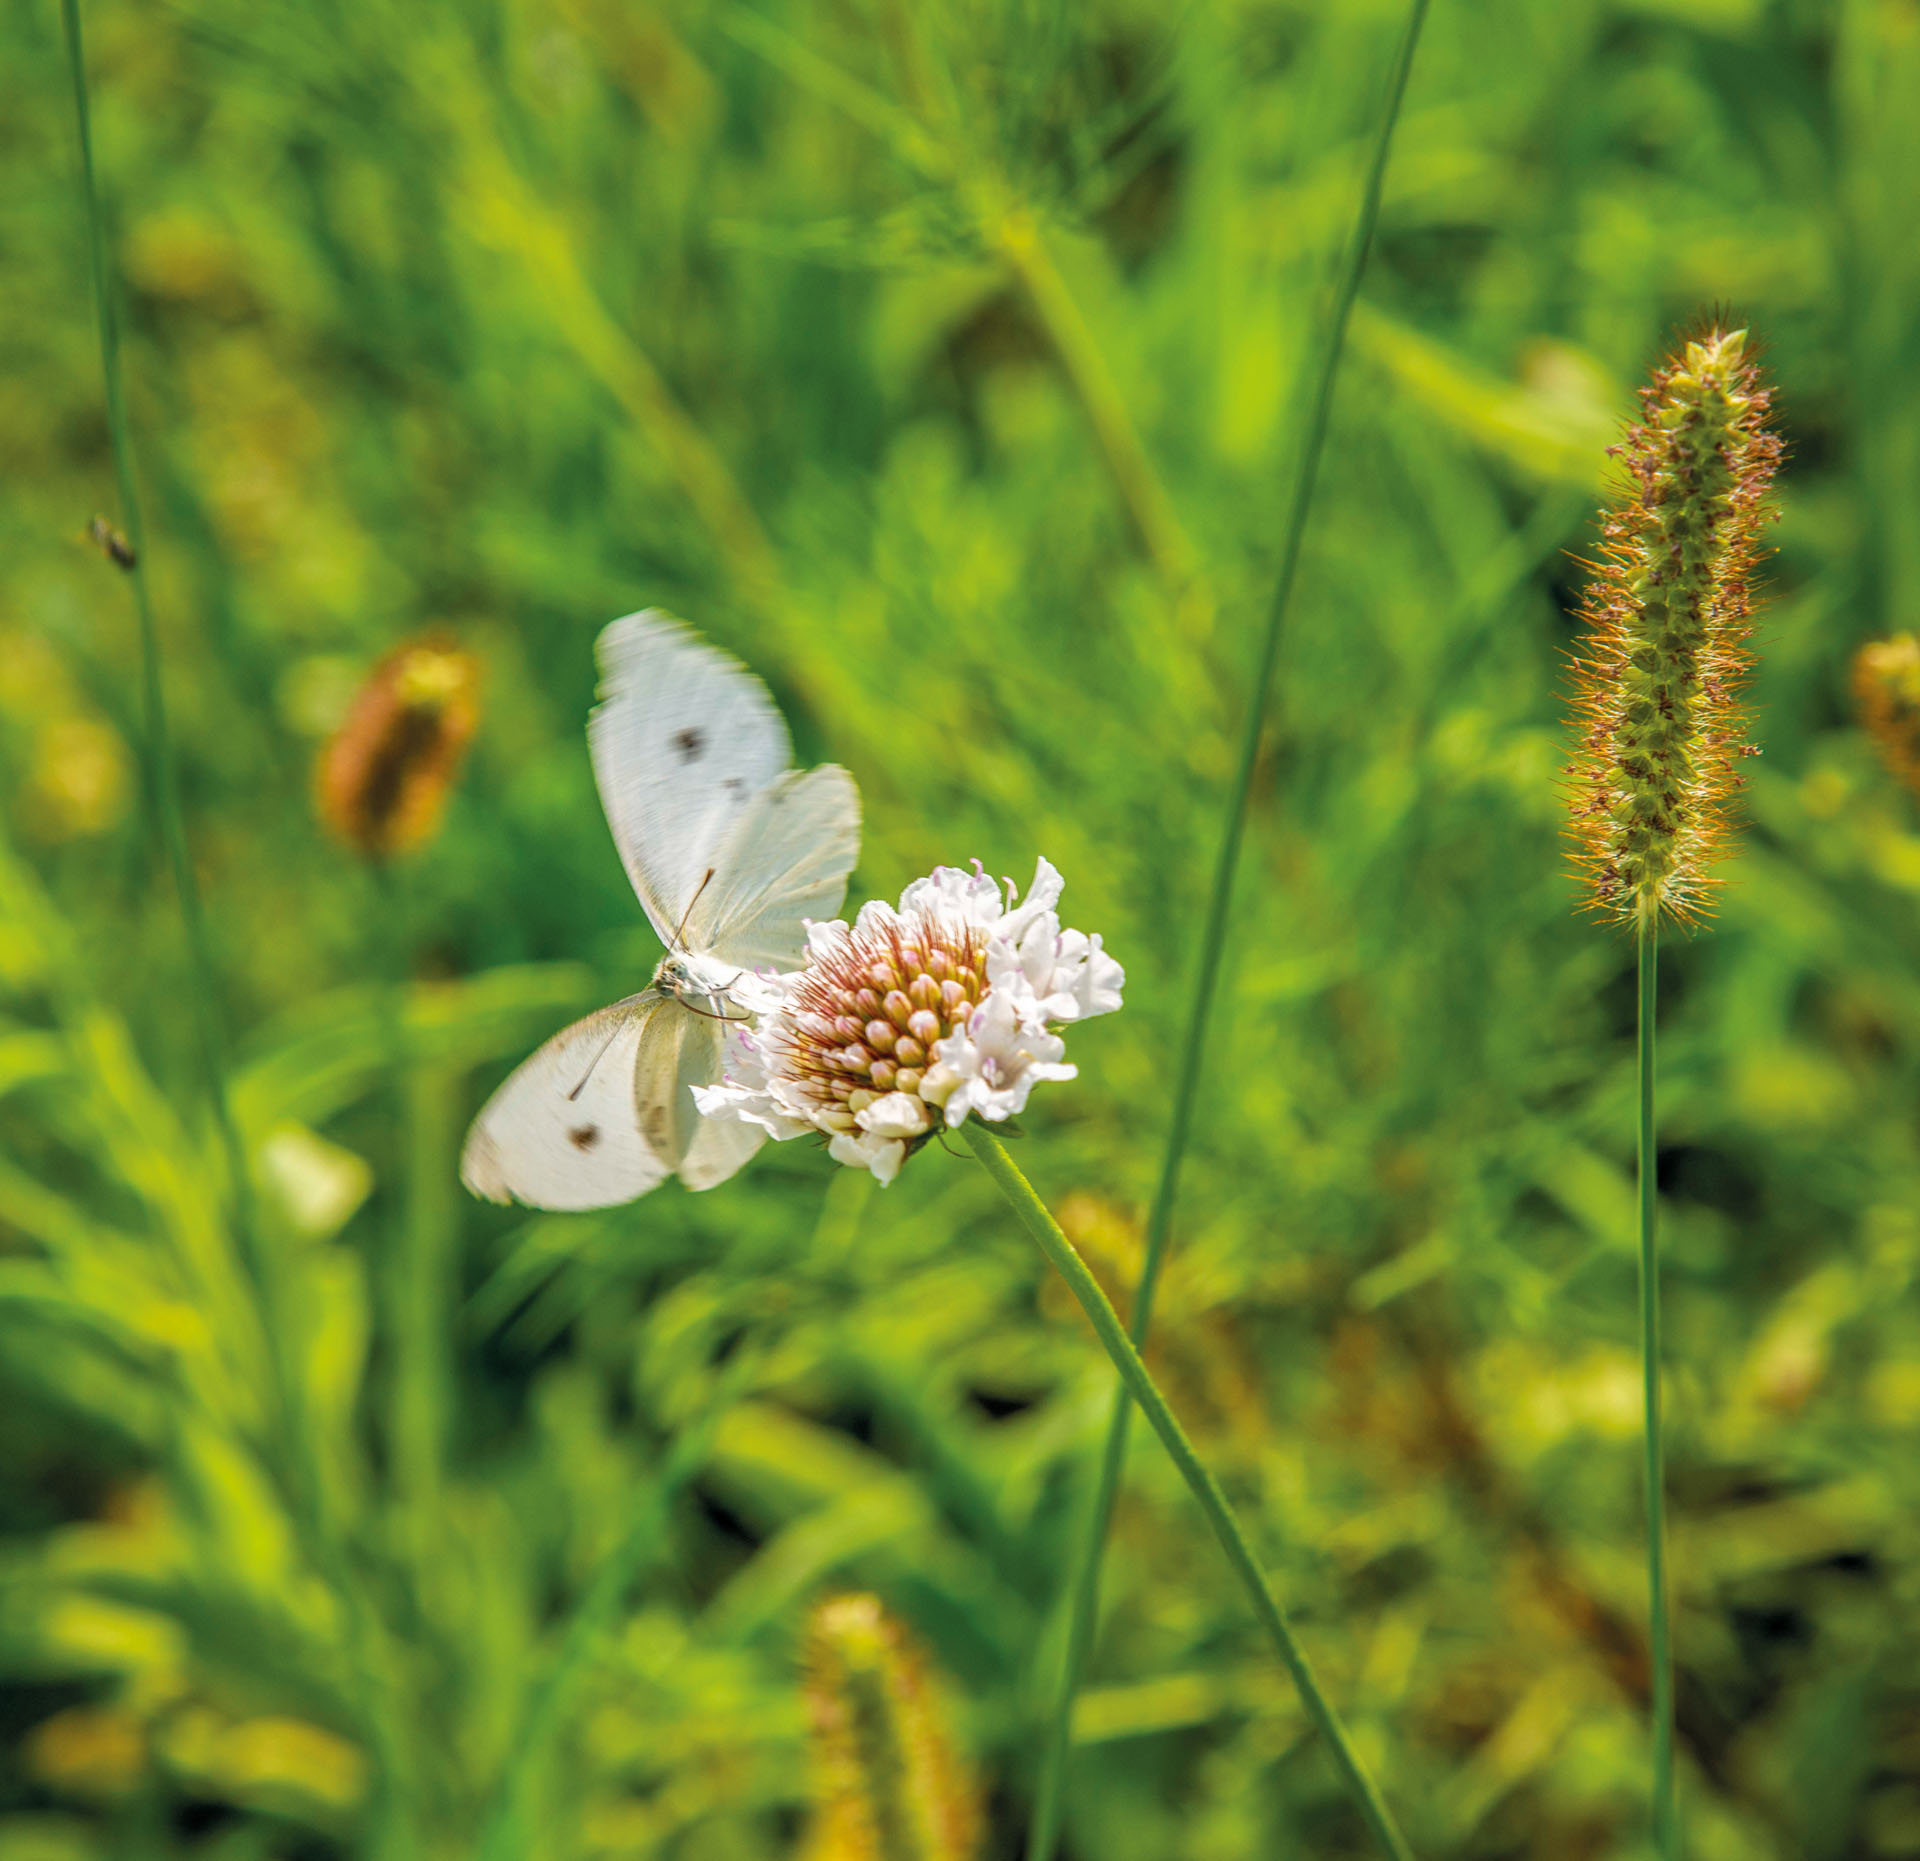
(1886,685)
(384,776)
(890,1785)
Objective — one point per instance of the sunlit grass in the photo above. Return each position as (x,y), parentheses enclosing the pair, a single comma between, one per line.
(943,362)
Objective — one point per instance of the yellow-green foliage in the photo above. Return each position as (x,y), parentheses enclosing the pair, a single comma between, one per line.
(945,362)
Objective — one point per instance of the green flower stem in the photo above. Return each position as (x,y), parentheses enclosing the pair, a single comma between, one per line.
(1666,1808)
(1084,1602)
(1204,1487)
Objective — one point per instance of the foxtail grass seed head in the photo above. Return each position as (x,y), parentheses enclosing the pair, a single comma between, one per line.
(384,777)
(890,1785)
(1668,611)
(907,1020)
(1886,685)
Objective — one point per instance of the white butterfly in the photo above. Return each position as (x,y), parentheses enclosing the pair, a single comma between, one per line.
(731,851)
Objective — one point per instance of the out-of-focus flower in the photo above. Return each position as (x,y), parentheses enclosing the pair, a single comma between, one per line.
(890,1785)
(383,778)
(1886,685)
(904,1020)
(1657,703)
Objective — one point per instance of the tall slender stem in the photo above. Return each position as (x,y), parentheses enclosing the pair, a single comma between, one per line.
(1666,1809)
(156,745)
(1084,1602)
(1141,1387)
(289,1429)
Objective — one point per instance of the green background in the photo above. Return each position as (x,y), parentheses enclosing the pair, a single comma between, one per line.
(509,318)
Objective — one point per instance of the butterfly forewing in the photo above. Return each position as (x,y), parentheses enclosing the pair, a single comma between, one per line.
(683,740)
(562,1132)
(787,860)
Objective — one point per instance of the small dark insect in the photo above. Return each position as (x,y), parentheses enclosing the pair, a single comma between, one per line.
(691,743)
(584,1136)
(111,543)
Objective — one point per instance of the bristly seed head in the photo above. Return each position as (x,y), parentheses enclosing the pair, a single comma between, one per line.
(891,1785)
(1668,610)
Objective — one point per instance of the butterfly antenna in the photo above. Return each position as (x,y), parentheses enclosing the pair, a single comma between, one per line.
(597,1058)
(680,930)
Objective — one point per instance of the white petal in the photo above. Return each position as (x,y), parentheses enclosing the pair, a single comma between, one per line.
(883,1156)
(1042,895)
(826,938)
(898,1114)
(949,892)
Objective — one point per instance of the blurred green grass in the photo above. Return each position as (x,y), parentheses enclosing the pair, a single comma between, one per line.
(509,319)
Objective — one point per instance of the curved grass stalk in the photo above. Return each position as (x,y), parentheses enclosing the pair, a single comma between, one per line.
(156,743)
(1083,1604)
(1666,1808)
(1141,1388)
(288,1428)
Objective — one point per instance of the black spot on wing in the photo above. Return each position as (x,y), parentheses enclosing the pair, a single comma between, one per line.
(691,743)
(584,1136)
(736,787)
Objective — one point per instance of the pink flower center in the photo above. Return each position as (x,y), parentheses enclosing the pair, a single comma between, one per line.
(865,1018)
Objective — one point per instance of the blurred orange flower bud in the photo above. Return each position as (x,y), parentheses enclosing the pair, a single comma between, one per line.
(383,779)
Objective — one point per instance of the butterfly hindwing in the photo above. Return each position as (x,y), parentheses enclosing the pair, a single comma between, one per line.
(562,1132)
(682,1048)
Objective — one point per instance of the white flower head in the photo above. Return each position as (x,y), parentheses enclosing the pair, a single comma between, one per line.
(908,1019)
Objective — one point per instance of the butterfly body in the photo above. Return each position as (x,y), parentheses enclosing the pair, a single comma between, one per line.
(697,982)
(730,852)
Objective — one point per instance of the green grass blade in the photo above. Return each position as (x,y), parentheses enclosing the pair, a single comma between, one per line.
(156,745)
(1083,1603)
(1141,1388)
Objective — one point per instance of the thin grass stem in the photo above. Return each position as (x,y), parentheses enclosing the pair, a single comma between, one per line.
(1666,1808)
(1083,1606)
(156,745)
(289,1430)
(1141,1387)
